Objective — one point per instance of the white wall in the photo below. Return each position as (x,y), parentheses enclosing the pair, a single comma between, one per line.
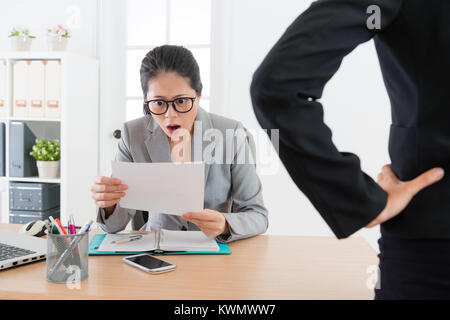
(355,102)
(38,15)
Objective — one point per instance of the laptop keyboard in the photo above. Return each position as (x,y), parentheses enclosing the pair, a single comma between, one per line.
(10,252)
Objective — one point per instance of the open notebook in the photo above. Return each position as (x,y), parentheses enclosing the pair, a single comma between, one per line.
(161,241)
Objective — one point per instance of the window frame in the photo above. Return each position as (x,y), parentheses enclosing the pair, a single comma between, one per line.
(149,47)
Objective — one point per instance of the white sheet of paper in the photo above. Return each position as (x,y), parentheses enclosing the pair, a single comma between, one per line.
(169,187)
(187,241)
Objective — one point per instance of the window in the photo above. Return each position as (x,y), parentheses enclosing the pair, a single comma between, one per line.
(151,23)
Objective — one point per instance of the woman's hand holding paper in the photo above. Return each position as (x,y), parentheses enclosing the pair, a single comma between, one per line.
(211,222)
(107,192)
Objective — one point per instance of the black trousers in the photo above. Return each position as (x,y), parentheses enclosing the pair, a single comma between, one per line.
(413,269)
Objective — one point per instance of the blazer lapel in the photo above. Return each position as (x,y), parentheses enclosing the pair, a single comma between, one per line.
(201,125)
(157,143)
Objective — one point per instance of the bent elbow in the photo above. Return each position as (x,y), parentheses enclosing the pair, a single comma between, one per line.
(261,81)
(263,96)
(264,224)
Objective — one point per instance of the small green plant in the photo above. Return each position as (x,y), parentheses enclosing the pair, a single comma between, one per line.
(46,150)
(20,32)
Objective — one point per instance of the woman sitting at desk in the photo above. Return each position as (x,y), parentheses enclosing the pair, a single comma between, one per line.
(171,84)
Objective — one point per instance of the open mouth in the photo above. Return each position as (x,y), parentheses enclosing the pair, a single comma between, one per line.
(173,127)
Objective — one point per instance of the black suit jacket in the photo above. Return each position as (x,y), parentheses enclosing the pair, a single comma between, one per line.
(413,47)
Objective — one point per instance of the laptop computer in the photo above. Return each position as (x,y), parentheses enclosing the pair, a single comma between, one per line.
(17,249)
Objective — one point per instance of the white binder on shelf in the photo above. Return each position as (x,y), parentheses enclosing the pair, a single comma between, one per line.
(3,107)
(36,75)
(20,88)
(53,89)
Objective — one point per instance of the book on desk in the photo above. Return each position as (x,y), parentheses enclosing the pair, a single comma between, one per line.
(157,242)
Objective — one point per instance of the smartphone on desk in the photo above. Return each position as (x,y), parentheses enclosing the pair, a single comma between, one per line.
(149,263)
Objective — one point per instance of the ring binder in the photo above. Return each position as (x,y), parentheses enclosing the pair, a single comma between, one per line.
(52,89)
(162,242)
(3,80)
(158,235)
(21,87)
(98,239)
(36,88)
(21,103)
(52,104)
(36,103)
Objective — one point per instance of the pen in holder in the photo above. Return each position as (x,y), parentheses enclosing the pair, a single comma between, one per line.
(67,257)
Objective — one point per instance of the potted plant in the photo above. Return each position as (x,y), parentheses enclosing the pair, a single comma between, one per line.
(20,39)
(57,38)
(47,154)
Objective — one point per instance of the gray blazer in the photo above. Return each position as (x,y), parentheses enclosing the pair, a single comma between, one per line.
(232,188)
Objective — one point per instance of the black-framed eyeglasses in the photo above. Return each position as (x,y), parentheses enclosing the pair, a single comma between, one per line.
(160,106)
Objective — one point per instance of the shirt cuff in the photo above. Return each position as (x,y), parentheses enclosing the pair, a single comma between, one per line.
(227,235)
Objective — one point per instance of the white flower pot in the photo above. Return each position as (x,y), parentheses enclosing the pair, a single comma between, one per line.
(56,43)
(20,43)
(48,169)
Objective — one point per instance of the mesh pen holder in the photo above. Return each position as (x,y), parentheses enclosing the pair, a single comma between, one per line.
(67,257)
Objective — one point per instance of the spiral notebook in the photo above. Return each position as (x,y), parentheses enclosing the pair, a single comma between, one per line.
(158,242)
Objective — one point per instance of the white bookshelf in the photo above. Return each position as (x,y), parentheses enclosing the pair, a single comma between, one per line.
(76,129)
(35,179)
(30,119)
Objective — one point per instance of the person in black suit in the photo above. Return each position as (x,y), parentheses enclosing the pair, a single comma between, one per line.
(411,199)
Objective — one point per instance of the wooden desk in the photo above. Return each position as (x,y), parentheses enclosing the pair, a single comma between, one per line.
(263,267)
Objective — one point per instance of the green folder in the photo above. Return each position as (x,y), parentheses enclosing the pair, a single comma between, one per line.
(97,239)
